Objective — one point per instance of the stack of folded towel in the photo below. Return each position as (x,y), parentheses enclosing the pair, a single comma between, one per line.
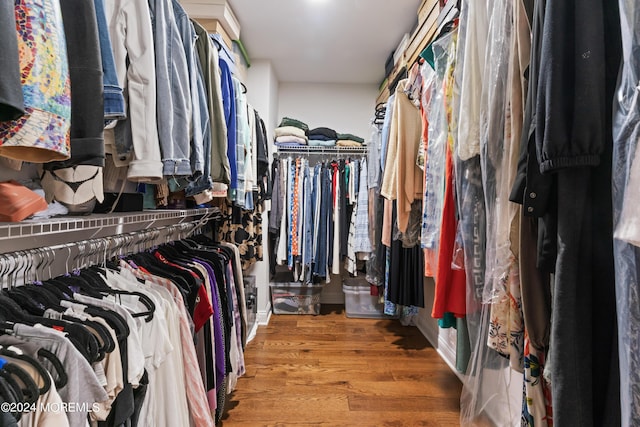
(322,137)
(291,133)
(348,140)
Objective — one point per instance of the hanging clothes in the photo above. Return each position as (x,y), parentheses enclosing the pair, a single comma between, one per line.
(244,229)
(87,115)
(402,178)
(362,242)
(172,84)
(317,210)
(11,97)
(42,133)
(124,337)
(212,77)
(242,141)
(405,274)
(626,163)
(137,147)
(196,123)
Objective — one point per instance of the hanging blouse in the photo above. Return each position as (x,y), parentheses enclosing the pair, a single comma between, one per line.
(42,133)
(243,143)
(472,83)
(361,226)
(11,98)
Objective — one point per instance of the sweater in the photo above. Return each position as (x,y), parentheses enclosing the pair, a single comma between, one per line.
(351,137)
(290,131)
(323,131)
(402,179)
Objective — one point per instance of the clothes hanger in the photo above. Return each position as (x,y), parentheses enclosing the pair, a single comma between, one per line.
(11,392)
(44,296)
(101,291)
(14,311)
(61,377)
(9,354)
(76,280)
(10,310)
(148,303)
(23,380)
(59,290)
(24,300)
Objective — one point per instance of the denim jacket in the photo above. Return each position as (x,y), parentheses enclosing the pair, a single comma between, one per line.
(174,98)
(188,36)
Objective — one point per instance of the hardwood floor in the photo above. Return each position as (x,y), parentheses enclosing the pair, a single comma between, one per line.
(330,370)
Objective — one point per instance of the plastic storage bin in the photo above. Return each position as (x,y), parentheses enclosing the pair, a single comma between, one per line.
(295,298)
(359,302)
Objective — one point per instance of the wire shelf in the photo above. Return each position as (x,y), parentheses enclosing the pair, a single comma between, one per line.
(29,234)
(311,149)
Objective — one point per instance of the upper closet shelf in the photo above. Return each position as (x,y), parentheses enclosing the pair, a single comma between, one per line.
(29,234)
(322,150)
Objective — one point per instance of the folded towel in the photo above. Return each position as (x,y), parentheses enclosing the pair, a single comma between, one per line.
(290,130)
(329,133)
(351,137)
(291,139)
(348,143)
(322,143)
(288,121)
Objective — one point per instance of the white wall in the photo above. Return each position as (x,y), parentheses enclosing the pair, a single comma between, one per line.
(347,108)
(262,92)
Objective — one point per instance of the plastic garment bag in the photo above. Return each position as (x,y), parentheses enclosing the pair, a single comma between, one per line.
(626,181)
(500,155)
(490,386)
(438,133)
(472,78)
(492,141)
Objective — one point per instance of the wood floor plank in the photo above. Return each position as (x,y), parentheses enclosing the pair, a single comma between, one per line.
(330,370)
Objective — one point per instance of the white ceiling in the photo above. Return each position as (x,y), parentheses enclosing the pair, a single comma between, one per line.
(325,41)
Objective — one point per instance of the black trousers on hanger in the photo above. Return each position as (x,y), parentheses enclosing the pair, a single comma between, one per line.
(584,351)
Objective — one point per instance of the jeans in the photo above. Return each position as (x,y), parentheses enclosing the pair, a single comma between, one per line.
(113,99)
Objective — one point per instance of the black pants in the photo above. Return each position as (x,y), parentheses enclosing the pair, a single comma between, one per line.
(584,357)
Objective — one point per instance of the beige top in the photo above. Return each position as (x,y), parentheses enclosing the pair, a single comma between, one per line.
(402,179)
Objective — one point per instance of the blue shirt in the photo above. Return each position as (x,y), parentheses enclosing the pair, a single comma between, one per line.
(229,106)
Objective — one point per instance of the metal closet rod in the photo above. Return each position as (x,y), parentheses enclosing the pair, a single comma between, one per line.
(38,264)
